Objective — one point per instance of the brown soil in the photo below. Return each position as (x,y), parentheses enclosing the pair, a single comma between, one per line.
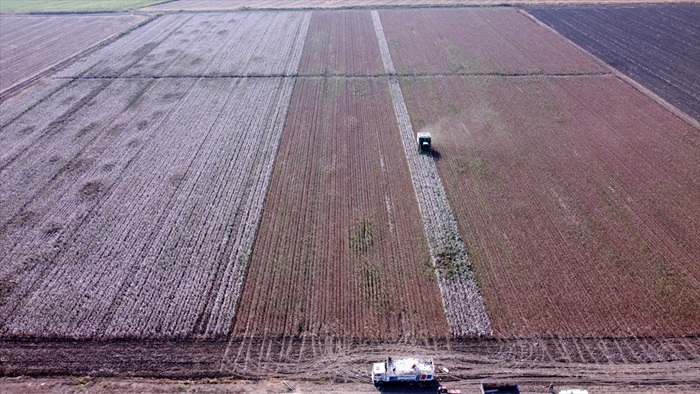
(570,216)
(114,176)
(338,251)
(654,363)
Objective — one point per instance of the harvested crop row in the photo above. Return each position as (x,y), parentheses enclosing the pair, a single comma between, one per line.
(31,44)
(340,251)
(464,307)
(575,197)
(463,41)
(341,43)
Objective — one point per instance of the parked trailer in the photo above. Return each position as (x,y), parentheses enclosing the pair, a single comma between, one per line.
(409,369)
(499,388)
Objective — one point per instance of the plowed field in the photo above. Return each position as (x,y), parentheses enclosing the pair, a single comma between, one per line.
(656,45)
(570,216)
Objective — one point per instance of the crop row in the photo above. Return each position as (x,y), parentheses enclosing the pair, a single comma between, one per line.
(151,238)
(340,249)
(131,205)
(463,304)
(478,41)
(576,202)
(341,43)
(31,44)
(230,44)
(655,45)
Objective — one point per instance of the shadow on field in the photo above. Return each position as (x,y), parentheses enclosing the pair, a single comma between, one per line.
(403,387)
(432,153)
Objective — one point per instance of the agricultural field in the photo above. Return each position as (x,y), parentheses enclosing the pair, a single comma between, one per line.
(75,262)
(341,43)
(33,44)
(223,194)
(341,250)
(223,5)
(71,6)
(570,217)
(656,45)
(464,41)
(560,176)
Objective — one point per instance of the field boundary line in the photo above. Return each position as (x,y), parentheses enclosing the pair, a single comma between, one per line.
(461,298)
(338,75)
(629,80)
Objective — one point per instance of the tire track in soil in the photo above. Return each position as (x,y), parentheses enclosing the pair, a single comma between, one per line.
(464,307)
(537,358)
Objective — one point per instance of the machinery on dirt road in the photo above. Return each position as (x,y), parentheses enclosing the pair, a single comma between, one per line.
(445,390)
(424,141)
(409,369)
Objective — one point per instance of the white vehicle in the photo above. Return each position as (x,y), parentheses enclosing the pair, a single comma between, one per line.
(409,369)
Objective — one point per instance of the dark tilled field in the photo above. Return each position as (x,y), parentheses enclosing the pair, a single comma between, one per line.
(657,45)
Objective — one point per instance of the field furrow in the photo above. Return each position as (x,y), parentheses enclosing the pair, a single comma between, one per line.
(327,260)
(562,203)
(32,44)
(341,43)
(464,307)
(462,41)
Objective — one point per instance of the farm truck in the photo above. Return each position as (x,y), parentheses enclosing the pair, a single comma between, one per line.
(409,369)
(424,141)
